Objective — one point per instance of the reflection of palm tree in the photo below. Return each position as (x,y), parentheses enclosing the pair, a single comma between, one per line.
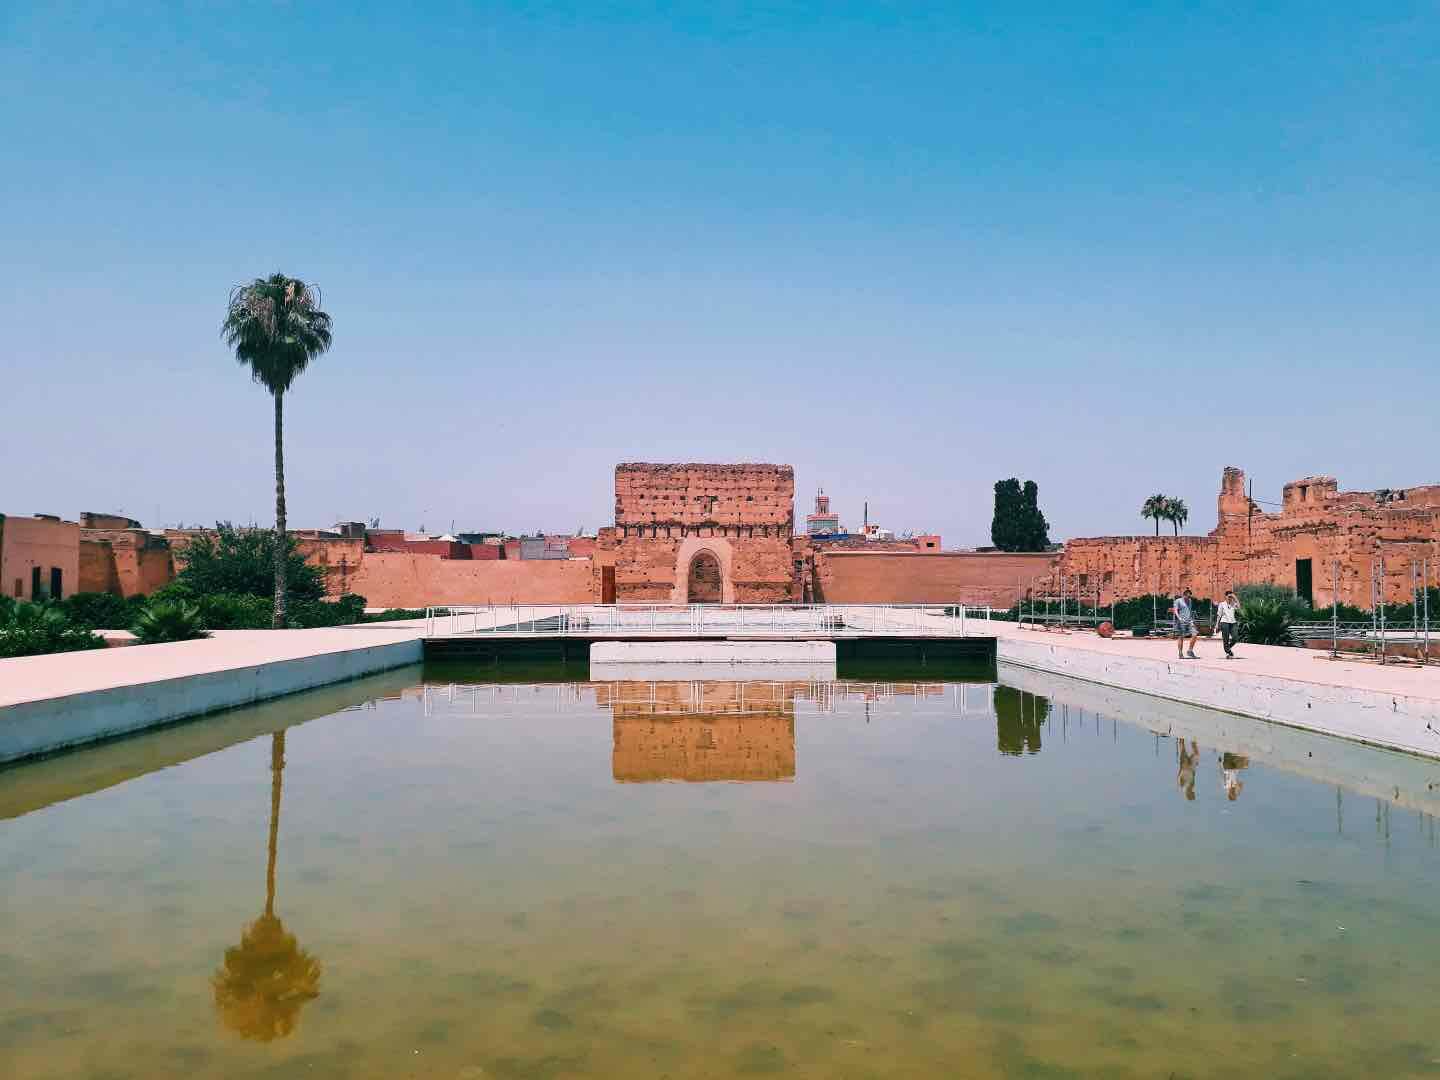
(266,979)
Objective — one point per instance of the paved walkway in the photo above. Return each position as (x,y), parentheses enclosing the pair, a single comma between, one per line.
(34,678)
(1301,665)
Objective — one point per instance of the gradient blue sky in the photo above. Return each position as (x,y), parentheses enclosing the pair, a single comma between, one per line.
(908,248)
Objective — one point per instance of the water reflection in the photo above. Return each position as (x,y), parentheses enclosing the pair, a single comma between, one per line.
(1018,717)
(1230,768)
(701,731)
(266,979)
(1189,759)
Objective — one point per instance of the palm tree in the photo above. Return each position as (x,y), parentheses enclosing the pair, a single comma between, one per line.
(266,979)
(275,327)
(1154,507)
(1177,513)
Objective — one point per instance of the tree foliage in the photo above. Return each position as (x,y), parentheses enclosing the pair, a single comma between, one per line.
(1018,524)
(241,562)
(275,327)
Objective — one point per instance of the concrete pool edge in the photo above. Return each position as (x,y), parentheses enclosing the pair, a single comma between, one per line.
(34,728)
(1392,721)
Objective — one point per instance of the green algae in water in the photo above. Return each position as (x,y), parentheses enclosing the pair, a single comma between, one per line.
(880,878)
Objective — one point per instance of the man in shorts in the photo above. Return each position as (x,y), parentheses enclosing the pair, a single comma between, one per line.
(1184,612)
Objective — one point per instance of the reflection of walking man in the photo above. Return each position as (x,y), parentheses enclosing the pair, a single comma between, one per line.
(1185,778)
(1230,766)
(1227,617)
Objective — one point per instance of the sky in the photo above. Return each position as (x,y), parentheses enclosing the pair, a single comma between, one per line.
(908,248)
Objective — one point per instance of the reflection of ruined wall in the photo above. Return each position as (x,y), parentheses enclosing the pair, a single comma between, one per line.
(1317,521)
(701,731)
(758,746)
(666,515)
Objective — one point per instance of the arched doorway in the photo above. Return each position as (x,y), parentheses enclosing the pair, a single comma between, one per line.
(704,579)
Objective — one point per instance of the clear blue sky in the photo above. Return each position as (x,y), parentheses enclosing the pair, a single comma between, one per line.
(908,248)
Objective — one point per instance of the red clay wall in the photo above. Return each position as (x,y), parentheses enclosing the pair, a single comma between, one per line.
(397,579)
(691,494)
(1344,532)
(28,542)
(97,568)
(895,577)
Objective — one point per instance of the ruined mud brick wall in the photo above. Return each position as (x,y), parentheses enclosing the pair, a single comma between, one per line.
(913,577)
(399,579)
(758,498)
(126,562)
(1346,533)
(339,559)
(666,515)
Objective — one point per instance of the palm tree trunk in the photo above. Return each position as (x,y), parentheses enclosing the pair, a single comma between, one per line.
(1157,528)
(277,766)
(277,621)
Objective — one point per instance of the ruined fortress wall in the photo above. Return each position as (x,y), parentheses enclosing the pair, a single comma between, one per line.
(399,579)
(668,515)
(97,568)
(894,577)
(1348,535)
(338,559)
(654,571)
(761,497)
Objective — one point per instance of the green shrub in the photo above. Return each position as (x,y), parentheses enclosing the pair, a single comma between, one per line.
(1267,620)
(307,614)
(392,615)
(242,562)
(164,621)
(228,611)
(101,611)
(28,629)
(1283,595)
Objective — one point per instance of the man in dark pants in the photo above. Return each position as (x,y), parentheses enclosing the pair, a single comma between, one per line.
(1227,615)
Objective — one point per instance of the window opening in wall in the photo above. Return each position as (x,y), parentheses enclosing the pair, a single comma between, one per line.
(35,583)
(57,591)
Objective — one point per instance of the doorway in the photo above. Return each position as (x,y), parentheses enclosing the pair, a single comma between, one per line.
(704,579)
(1304,582)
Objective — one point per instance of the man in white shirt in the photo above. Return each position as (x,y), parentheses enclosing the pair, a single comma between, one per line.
(1184,614)
(1227,617)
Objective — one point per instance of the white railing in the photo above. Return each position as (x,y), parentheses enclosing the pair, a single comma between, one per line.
(703,620)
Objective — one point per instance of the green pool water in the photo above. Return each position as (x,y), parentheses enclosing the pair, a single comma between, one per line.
(421,875)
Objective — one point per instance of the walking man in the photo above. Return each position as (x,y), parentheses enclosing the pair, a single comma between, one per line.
(1184,613)
(1227,616)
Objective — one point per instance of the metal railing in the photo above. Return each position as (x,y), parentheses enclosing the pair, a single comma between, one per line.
(702,620)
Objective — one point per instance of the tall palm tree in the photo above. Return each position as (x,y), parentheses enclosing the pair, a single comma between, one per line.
(1177,513)
(268,977)
(275,327)
(1154,507)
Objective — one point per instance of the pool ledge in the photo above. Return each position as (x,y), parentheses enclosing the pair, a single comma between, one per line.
(50,703)
(1393,707)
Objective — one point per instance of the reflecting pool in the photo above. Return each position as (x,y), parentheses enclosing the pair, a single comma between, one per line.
(430,874)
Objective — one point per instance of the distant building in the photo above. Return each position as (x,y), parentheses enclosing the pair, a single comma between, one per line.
(39,556)
(822,522)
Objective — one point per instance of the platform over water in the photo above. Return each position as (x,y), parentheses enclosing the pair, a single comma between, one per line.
(50,702)
(1395,706)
